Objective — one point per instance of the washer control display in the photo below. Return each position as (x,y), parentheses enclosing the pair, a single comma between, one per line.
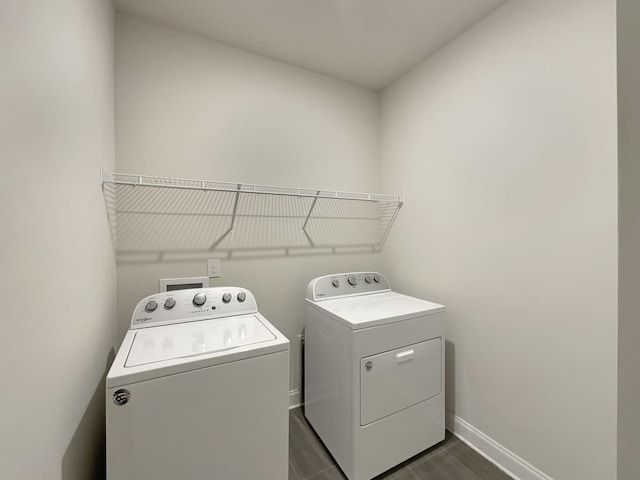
(181,306)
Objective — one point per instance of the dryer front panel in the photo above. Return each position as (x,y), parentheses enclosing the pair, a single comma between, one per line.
(394,380)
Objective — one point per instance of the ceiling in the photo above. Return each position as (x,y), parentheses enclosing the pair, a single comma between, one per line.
(367,42)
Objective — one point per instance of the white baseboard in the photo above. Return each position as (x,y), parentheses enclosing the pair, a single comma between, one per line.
(502,457)
(294,398)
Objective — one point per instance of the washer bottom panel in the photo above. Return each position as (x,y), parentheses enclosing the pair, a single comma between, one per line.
(228,421)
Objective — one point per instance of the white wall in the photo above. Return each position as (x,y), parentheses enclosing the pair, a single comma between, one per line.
(504,144)
(190,107)
(629,261)
(57,286)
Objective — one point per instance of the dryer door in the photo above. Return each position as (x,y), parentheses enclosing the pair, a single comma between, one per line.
(395,380)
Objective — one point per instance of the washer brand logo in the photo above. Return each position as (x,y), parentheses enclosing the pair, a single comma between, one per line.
(121,397)
(143,319)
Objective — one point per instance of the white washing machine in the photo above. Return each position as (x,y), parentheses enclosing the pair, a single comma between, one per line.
(199,390)
(374,372)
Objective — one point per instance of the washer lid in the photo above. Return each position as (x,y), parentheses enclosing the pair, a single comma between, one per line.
(375,309)
(155,352)
(152,345)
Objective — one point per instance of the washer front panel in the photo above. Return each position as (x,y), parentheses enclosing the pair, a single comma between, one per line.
(224,422)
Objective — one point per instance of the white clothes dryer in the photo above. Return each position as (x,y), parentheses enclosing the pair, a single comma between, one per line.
(199,390)
(374,372)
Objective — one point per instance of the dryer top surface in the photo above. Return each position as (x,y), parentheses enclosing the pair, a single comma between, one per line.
(363,311)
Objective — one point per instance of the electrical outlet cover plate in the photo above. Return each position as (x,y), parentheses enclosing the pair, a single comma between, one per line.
(213,268)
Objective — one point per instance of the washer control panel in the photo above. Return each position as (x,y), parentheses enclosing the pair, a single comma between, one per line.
(181,306)
(346,284)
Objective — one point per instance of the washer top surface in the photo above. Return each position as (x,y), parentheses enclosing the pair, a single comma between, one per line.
(358,304)
(179,331)
(158,344)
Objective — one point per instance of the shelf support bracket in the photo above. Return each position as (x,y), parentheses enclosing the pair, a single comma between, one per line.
(393,219)
(306,220)
(233,220)
(105,177)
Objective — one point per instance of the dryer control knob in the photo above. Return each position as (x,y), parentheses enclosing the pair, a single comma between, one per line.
(335,282)
(352,280)
(226,298)
(151,306)
(367,279)
(376,278)
(242,297)
(199,299)
(169,303)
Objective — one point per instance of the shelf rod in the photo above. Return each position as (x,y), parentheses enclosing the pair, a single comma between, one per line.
(173,251)
(251,188)
(334,195)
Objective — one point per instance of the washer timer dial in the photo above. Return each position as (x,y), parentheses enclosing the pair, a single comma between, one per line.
(199,299)
(151,306)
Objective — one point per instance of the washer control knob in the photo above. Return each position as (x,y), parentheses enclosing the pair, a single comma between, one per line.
(367,279)
(169,303)
(352,280)
(335,282)
(226,298)
(151,306)
(242,297)
(376,278)
(199,299)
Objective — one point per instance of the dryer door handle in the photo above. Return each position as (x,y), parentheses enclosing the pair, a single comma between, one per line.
(405,356)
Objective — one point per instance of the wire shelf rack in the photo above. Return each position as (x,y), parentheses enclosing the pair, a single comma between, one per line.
(154,217)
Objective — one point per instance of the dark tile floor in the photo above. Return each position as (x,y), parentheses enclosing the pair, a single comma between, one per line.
(450,460)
